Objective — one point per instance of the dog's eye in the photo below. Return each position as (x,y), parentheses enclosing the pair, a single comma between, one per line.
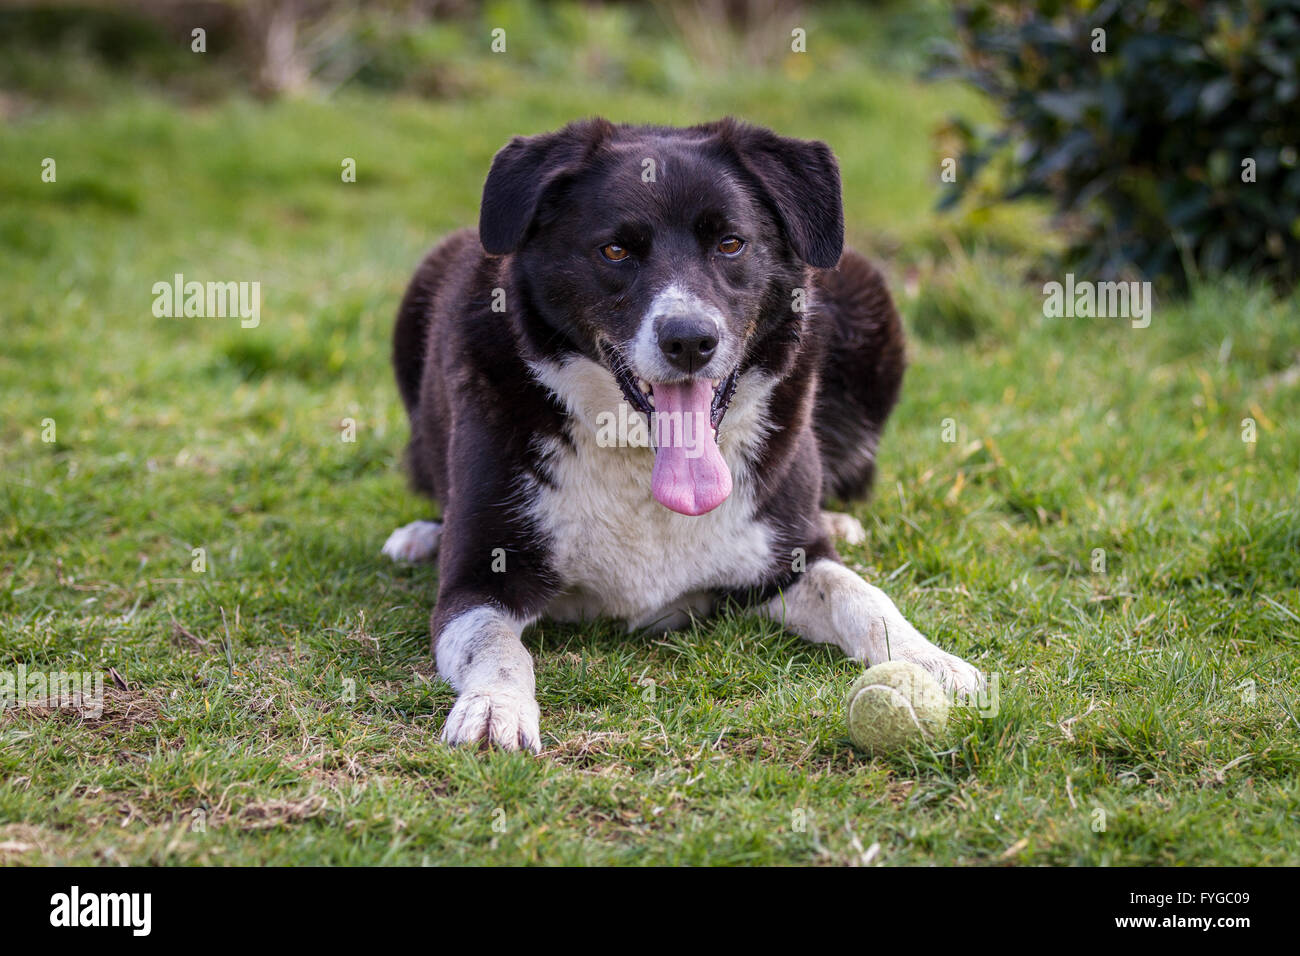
(613,252)
(731,245)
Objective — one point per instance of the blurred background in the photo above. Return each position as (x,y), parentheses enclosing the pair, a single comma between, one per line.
(986,147)
(1134,121)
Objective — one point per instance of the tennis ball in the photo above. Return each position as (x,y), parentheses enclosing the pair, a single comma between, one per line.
(893,703)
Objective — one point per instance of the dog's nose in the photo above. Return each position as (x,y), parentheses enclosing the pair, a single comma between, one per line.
(688,343)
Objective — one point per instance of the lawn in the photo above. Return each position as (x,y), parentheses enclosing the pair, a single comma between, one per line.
(1071,504)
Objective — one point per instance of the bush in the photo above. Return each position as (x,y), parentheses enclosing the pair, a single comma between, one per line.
(1145,135)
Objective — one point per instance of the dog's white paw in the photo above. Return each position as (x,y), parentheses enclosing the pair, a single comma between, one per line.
(504,717)
(417,541)
(845,527)
(951,671)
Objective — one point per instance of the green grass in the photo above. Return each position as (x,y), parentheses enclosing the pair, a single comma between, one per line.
(1123,691)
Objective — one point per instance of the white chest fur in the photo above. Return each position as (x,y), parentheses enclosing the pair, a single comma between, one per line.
(619,552)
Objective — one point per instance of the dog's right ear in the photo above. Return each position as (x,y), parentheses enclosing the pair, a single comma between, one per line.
(522,171)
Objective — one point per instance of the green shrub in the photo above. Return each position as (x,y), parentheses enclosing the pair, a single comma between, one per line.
(1144,124)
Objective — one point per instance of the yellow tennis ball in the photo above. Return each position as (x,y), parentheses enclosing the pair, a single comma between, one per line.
(893,703)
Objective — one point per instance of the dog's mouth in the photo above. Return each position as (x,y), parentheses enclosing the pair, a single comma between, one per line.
(640,394)
(690,475)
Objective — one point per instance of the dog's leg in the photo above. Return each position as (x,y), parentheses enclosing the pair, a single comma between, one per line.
(417,541)
(479,653)
(847,528)
(829,604)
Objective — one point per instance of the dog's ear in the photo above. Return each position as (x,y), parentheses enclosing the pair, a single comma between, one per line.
(800,179)
(522,171)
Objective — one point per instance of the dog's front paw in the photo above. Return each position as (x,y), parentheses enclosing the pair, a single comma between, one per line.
(504,717)
(956,676)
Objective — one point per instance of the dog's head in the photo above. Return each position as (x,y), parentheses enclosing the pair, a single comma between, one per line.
(666,255)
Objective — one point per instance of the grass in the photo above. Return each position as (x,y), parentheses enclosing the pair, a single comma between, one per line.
(281,707)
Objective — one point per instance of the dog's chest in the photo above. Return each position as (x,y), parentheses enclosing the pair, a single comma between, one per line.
(618,552)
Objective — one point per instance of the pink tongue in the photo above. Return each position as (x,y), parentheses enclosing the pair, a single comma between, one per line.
(690,476)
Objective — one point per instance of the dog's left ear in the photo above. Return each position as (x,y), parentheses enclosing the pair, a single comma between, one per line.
(801,180)
(522,171)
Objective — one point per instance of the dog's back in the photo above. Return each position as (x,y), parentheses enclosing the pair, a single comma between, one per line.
(427,339)
(861,373)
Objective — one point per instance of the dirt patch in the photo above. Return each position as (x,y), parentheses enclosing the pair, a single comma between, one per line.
(118,709)
(585,751)
(22,843)
(897,792)
(267,814)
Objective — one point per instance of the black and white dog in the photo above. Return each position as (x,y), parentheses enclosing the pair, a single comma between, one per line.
(631,393)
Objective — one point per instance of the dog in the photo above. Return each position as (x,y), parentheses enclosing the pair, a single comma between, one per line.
(633,391)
